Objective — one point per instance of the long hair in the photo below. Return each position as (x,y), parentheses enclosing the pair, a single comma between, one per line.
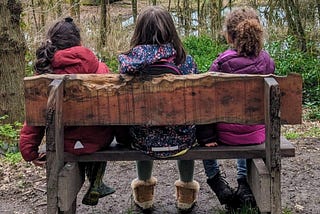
(155,26)
(63,34)
(244,31)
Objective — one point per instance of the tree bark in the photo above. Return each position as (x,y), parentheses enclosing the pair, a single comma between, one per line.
(12,62)
(134,9)
(294,23)
(75,9)
(103,24)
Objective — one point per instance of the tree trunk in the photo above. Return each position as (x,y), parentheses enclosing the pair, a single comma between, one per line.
(12,62)
(75,9)
(318,7)
(34,15)
(186,17)
(103,24)
(42,15)
(294,23)
(134,9)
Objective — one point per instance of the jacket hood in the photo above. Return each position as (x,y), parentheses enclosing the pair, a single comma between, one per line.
(142,55)
(230,62)
(77,60)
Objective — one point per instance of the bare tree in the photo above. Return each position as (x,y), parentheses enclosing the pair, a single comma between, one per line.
(12,62)
(216,19)
(134,9)
(103,23)
(295,26)
(75,9)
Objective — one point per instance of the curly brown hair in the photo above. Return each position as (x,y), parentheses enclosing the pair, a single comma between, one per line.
(244,31)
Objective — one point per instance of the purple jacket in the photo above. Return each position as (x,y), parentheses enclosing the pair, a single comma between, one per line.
(230,62)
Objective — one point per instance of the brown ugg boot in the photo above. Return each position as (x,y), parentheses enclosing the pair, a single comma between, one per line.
(143,192)
(187,194)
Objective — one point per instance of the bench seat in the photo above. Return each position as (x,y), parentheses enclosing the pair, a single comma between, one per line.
(120,153)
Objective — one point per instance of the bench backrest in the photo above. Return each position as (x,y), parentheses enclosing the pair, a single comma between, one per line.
(114,99)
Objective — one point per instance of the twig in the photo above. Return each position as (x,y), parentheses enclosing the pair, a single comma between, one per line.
(37,188)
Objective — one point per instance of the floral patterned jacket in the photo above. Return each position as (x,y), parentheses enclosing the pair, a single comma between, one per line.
(158,141)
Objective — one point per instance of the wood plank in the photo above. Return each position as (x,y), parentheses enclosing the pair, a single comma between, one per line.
(273,154)
(71,179)
(259,180)
(162,100)
(54,143)
(198,153)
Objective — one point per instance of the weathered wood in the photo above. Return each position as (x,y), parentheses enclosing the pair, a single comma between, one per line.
(259,180)
(71,179)
(197,153)
(54,143)
(165,100)
(273,154)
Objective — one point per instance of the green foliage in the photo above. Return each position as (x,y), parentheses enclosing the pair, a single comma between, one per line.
(292,135)
(286,211)
(290,59)
(13,158)
(9,136)
(313,112)
(203,50)
(113,64)
(29,58)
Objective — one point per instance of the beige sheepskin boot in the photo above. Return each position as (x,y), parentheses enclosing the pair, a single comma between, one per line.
(143,192)
(187,194)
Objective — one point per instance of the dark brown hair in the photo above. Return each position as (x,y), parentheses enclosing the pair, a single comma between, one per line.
(155,26)
(244,31)
(63,34)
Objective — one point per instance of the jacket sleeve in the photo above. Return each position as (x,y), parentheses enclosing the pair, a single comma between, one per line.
(206,133)
(30,139)
(214,66)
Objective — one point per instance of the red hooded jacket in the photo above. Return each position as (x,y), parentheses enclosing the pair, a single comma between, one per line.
(78,140)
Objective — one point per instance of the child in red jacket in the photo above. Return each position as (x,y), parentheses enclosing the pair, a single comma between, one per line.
(62,53)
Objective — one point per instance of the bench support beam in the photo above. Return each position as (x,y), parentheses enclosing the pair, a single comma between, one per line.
(55,143)
(71,179)
(273,154)
(259,180)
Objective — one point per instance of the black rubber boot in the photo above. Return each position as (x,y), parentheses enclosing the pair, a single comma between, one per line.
(97,189)
(222,189)
(244,194)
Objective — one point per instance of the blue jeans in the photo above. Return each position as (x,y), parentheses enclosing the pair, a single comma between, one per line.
(211,168)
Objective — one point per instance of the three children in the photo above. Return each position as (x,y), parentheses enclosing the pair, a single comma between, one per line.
(155,42)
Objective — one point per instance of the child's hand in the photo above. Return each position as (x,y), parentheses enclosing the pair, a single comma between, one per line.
(40,161)
(212,144)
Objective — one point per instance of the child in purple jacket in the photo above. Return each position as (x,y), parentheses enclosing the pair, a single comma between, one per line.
(244,34)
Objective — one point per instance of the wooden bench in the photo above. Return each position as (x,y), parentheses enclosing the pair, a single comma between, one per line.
(56,101)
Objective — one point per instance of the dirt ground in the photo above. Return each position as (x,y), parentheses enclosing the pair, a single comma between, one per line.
(23,186)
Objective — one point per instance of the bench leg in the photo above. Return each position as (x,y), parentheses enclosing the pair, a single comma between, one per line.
(71,179)
(259,181)
(272,143)
(72,209)
(54,143)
